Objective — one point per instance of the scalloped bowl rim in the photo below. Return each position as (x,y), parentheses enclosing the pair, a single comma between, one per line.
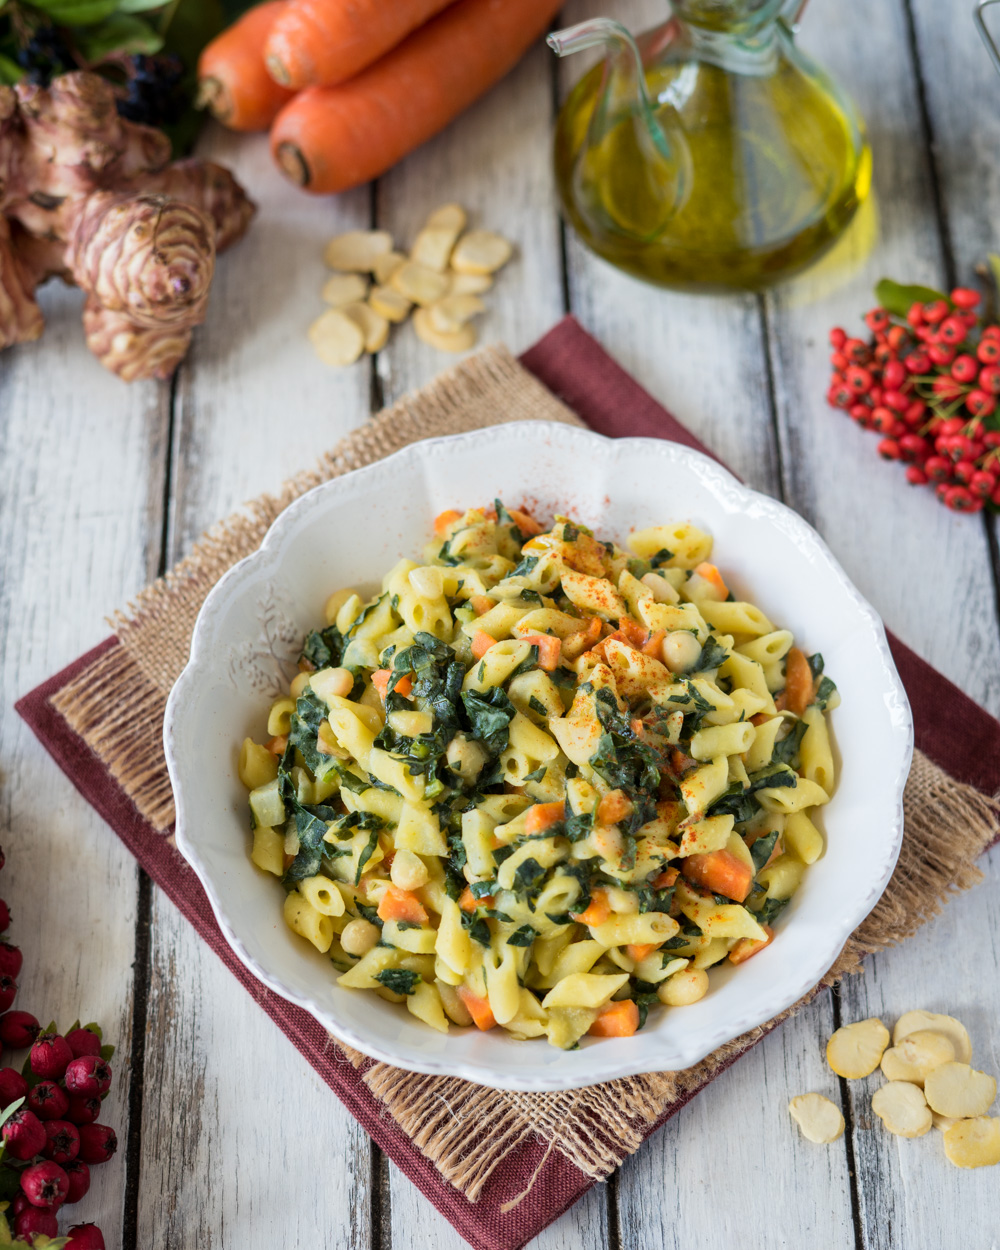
(607,1064)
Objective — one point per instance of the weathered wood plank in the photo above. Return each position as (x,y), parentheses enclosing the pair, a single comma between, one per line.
(81,465)
(241,1141)
(495,161)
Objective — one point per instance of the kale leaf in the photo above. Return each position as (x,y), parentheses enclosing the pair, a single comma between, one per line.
(523,936)
(399,980)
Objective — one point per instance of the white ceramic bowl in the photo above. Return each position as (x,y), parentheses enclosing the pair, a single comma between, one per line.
(349,532)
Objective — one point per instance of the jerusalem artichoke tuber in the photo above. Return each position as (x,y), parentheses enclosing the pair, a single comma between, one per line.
(89,197)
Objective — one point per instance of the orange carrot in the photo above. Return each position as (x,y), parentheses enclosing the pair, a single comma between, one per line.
(330,138)
(481,643)
(653,644)
(404,686)
(712,575)
(746,948)
(721,872)
(616,1020)
(444,519)
(277,744)
(381,678)
(543,816)
(233,82)
(317,43)
(482,603)
(525,522)
(598,910)
(397,904)
(468,901)
(639,950)
(798,682)
(478,1008)
(613,807)
(665,879)
(549,649)
(635,634)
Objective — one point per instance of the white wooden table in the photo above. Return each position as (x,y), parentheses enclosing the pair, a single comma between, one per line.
(230,1140)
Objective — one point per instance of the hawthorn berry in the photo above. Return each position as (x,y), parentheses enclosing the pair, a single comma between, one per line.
(8,992)
(11,960)
(18,1029)
(98,1142)
(936,311)
(989,379)
(980,403)
(45,1185)
(4,917)
(12,1086)
(916,476)
(33,1221)
(983,483)
(50,1056)
(83,1042)
(85,1237)
(937,468)
(48,1101)
(965,368)
(79,1179)
(941,354)
(952,330)
(838,338)
(89,1075)
(988,351)
(24,1134)
(888,449)
(83,1110)
(62,1141)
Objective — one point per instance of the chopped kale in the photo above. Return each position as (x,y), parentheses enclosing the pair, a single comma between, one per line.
(816,665)
(523,936)
(525,567)
(528,875)
(563,677)
(323,648)
(478,928)
(482,889)
(577,825)
(825,692)
(713,653)
(368,913)
(661,558)
(772,909)
(366,855)
(762,848)
(489,714)
(787,750)
(399,980)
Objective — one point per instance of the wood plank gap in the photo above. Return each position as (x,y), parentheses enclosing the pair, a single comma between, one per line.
(847,1108)
(376,390)
(994,549)
(927,131)
(380,1189)
(168,479)
(140,1009)
(784,487)
(614,1219)
(560,219)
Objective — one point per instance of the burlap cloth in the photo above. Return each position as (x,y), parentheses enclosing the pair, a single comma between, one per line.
(466,1130)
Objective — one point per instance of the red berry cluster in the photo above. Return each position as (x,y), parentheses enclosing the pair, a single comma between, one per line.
(51,1138)
(929,385)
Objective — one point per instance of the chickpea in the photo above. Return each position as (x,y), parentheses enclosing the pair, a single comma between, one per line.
(338,682)
(408,871)
(684,987)
(680,650)
(465,757)
(359,936)
(661,589)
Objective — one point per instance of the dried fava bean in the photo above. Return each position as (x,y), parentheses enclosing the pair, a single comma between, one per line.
(955,1089)
(902,1108)
(974,1143)
(385,266)
(373,325)
(943,1122)
(433,247)
(819,1119)
(418,283)
(451,313)
(357,250)
(460,342)
(448,217)
(389,303)
(481,251)
(916,1055)
(855,1050)
(337,338)
(469,283)
(955,1030)
(344,288)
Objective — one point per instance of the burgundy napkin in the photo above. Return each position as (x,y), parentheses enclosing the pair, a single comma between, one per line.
(957,734)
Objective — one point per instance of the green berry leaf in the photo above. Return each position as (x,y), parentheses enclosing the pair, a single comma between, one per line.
(898,299)
(95,1029)
(76,12)
(107,1052)
(121,35)
(10,1184)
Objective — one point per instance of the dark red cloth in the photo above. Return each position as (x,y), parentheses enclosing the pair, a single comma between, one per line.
(950,728)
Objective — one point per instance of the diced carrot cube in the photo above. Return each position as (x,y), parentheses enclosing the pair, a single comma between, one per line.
(468,901)
(712,575)
(639,950)
(798,682)
(746,948)
(613,807)
(524,521)
(543,816)
(598,910)
(721,872)
(397,904)
(478,1008)
(653,644)
(482,603)
(619,1019)
(380,680)
(549,649)
(278,744)
(444,519)
(404,686)
(481,643)
(665,879)
(636,634)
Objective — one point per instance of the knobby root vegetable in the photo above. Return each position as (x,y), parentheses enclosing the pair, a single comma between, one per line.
(90,198)
(331,138)
(233,82)
(321,42)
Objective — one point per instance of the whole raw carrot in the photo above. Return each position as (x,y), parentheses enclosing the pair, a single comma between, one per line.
(317,43)
(331,138)
(233,82)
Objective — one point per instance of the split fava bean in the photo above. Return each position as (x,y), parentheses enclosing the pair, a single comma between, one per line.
(819,1119)
(448,268)
(856,1049)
